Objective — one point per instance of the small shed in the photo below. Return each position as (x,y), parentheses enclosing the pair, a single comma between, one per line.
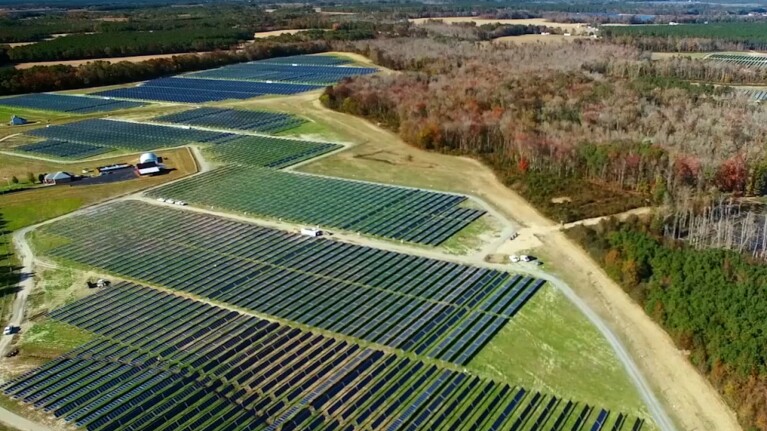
(18,121)
(58,177)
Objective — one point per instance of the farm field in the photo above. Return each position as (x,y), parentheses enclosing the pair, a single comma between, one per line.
(574,27)
(132,59)
(417,216)
(441,310)
(165,362)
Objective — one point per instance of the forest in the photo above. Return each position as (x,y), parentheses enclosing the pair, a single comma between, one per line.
(127,43)
(552,118)
(712,303)
(691,37)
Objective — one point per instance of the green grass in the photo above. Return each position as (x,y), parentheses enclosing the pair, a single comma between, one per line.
(24,214)
(29,114)
(550,346)
(469,238)
(51,338)
(312,128)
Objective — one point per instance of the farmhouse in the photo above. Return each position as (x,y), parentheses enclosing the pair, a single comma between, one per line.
(58,177)
(18,121)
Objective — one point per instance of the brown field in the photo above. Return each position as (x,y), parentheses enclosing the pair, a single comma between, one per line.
(133,59)
(15,44)
(263,34)
(535,38)
(534,21)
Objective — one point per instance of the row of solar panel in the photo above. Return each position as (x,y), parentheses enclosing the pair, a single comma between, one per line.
(381,210)
(82,137)
(390,298)
(232,119)
(271,72)
(64,149)
(66,103)
(192,90)
(268,377)
(267,151)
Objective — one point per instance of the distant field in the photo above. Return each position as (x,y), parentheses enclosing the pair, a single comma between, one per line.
(537,38)
(480,21)
(262,34)
(133,59)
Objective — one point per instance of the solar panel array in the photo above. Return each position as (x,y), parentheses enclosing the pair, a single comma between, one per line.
(64,149)
(257,71)
(188,90)
(233,119)
(755,95)
(436,308)
(412,215)
(267,151)
(88,137)
(320,60)
(740,59)
(66,103)
(169,363)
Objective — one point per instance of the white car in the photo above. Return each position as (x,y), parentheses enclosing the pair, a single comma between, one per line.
(160,199)
(182,203)
(514,258)
(170,201)
(525,258)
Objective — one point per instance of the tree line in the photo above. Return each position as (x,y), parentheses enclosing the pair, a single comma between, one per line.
(122,44)
(712,302)
(99,73)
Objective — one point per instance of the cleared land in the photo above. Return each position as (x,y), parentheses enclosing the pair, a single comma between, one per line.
(262,34)
(133,59)
(573,27)
(537,38)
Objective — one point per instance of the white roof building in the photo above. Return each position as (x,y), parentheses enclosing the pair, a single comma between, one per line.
(57,177)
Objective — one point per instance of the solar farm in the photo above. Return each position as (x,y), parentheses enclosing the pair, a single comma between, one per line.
(309,74)
(447,311)
(97,136)
(66,103)
(740,59)
(163,362)
(267,151)
(398,213)
(284,76)
(234,119)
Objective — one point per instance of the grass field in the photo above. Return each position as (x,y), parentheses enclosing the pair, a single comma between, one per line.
(33,206)
(49,338)
(550,345)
